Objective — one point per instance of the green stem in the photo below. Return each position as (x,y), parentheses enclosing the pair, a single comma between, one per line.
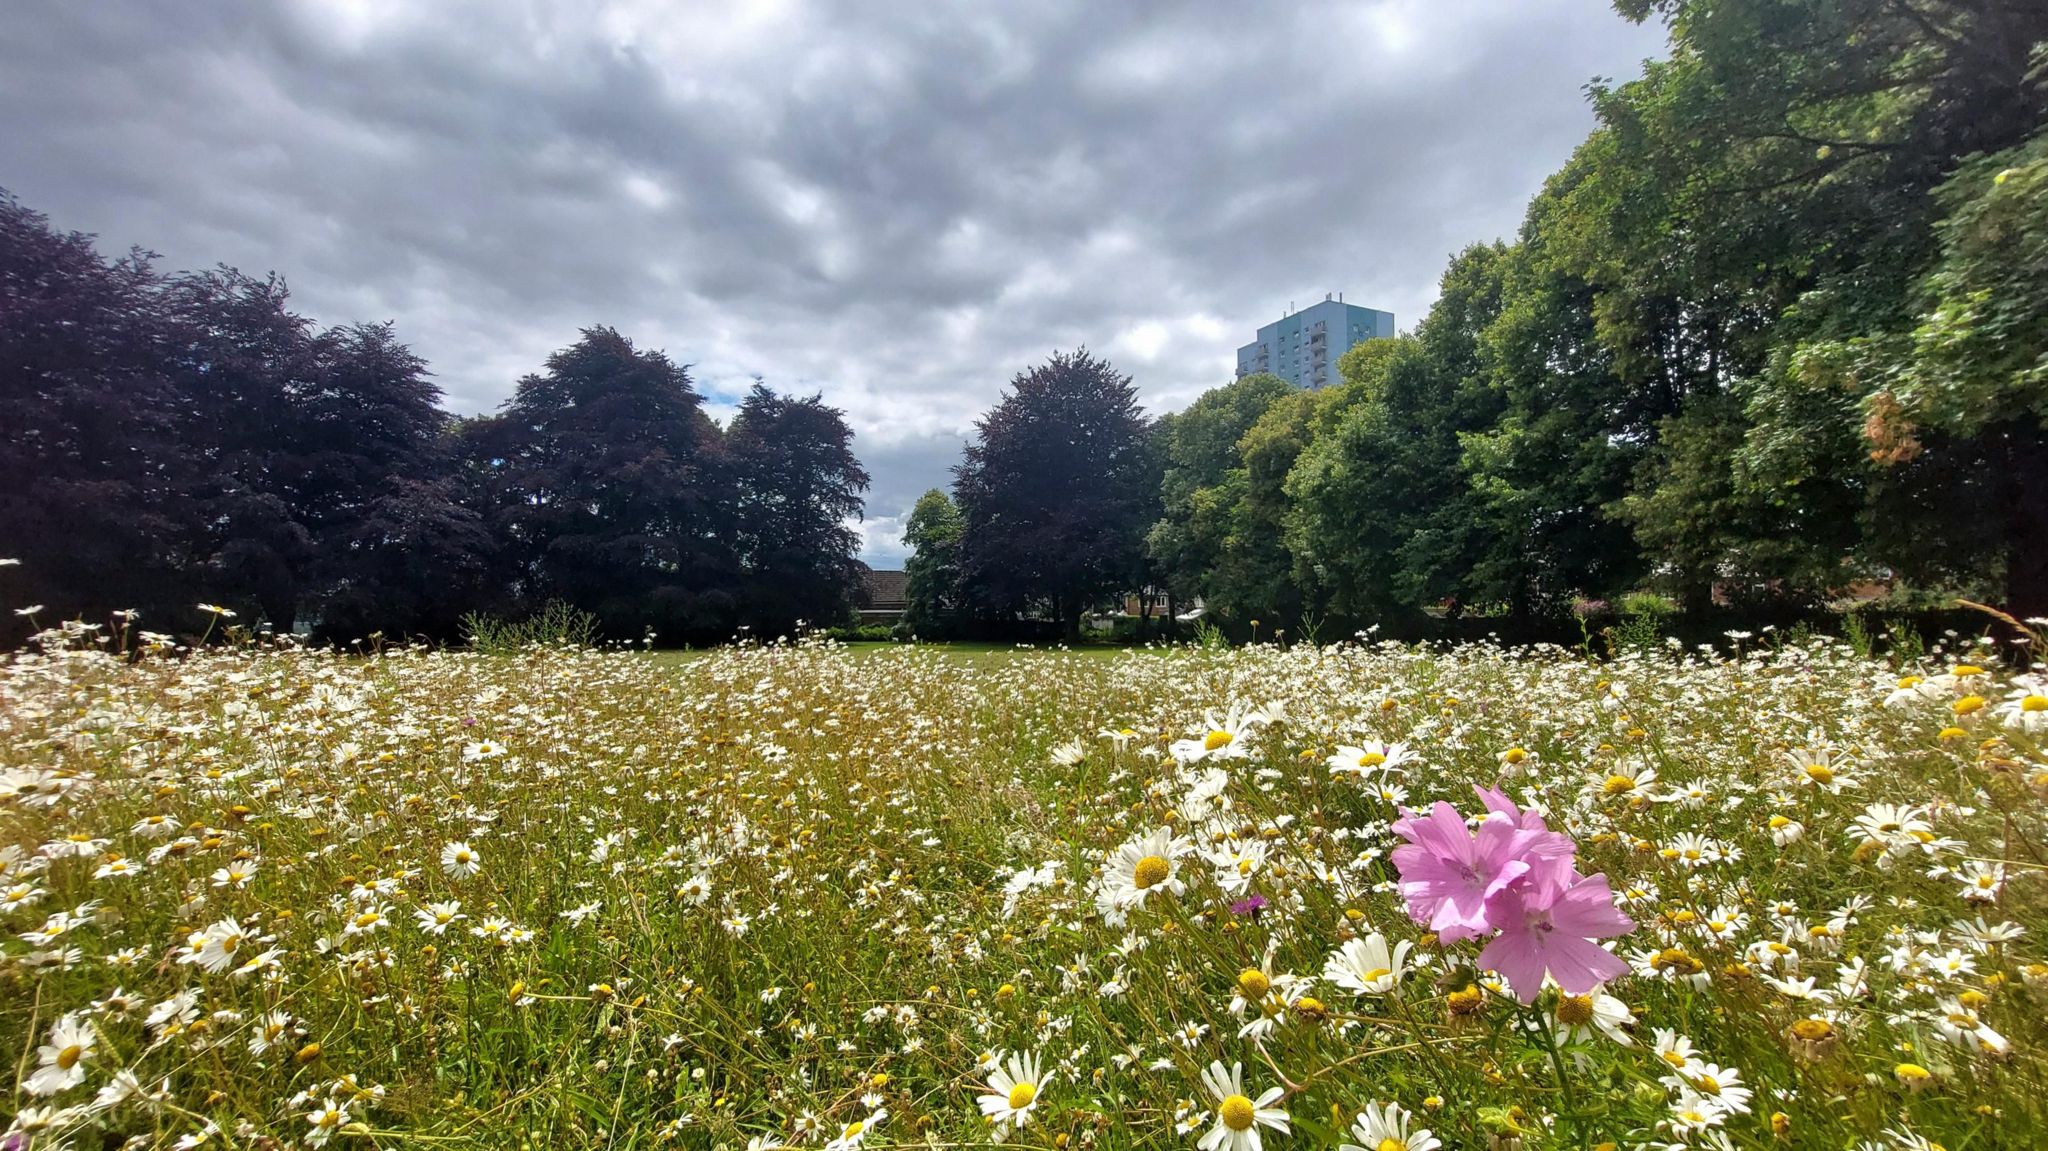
(1572,1112)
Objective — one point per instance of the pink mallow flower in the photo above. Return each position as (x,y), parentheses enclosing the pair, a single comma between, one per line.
(1498,803)
(1448,873)
(1516,877)
(1548,922)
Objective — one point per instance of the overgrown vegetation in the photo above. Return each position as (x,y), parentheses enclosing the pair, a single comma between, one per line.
(789,896)
(556,624)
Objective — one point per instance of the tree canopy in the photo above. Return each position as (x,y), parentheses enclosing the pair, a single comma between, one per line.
(171,439)
(1056,492)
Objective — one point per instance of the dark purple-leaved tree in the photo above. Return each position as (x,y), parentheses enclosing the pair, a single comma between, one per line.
(606,486)
(91,474)
(1056,493)
(797,484)
(395,547)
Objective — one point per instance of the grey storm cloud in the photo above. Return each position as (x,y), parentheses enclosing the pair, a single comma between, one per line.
(900,206)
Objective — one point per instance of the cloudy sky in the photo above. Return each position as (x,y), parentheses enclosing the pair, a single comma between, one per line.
(898,204)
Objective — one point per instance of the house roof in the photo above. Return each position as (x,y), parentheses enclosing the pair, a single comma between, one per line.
(887,590)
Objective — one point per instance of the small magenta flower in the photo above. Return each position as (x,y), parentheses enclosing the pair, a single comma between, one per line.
(1249,908)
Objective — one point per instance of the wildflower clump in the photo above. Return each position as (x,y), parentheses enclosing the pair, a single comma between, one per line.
(799,896)
(1515,880)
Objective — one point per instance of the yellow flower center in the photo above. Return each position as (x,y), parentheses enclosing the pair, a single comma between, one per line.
(1618,785)
(852,1129)
(2034,703)
(1675,959)
(69,1057)
(1965,670)
(1377,974)
(1515,755)
(1820,773)
(1021,1096)
(366,919)
(1575,1010)
(1812,1030)
(1238,1113)
(1151,872)
(1253,983)
(1968,704)
(1911,1071)
(1392,1144)
(1371,759)
(1216,739)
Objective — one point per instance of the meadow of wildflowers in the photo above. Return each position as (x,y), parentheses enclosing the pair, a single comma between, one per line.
(1360,896)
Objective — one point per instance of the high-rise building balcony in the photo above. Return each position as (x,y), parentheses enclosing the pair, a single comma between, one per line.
(1304,340)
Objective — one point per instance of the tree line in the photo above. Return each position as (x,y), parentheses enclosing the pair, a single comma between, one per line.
(1776,331)
(173,439)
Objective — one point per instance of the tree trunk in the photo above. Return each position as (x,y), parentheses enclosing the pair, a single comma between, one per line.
(2026,559)
(1697,596)
(281,609)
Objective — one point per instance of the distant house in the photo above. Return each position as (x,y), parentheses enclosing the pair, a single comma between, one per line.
(1150,602)
(885,596)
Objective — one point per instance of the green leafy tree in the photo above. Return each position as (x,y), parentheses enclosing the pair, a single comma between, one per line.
(933,569)
(1202,485)
(1264,579)
(1763,251)
(1956,407)
(1382,522)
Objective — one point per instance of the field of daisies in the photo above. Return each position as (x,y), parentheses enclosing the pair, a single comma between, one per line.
(1361,896)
